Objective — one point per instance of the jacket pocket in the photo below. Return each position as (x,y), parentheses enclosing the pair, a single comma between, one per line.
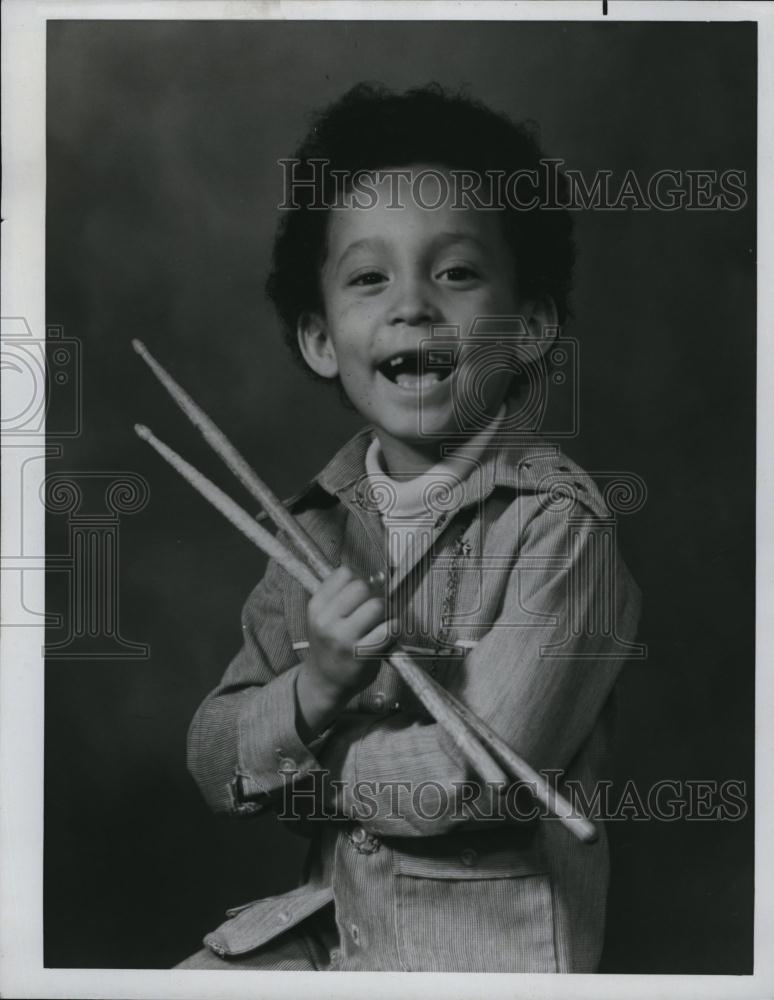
(476,909)
(254,924)
(467,862)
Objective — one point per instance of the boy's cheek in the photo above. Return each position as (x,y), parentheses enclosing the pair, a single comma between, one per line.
(346,310)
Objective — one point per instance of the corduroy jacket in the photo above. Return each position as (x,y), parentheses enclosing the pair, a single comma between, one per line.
(514,597)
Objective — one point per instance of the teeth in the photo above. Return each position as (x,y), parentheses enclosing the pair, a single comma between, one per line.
(396,361)
(407,381)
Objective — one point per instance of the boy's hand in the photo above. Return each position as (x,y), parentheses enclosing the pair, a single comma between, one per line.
(343,616)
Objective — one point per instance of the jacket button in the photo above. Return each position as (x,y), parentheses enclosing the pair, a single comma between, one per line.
(287,765)
(469,857)
(335,956)
(283,917)
(354,931)
(379,700)
(364,842)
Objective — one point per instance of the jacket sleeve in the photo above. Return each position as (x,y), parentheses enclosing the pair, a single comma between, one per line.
(540,687)
(243,746)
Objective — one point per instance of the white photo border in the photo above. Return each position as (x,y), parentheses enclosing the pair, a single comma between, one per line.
(21,677)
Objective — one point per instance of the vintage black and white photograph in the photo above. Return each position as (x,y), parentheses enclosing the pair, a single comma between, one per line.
(391,413)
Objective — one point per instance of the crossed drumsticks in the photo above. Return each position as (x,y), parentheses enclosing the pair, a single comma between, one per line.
(480,744)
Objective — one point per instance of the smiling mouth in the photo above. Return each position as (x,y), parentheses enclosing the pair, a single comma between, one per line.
(412,370)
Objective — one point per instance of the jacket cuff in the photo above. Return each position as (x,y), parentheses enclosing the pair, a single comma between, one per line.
(270,752)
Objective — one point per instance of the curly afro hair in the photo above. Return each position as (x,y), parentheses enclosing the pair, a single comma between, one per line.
(373,128)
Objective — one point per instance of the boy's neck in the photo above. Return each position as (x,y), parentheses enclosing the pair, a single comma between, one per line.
(408,459)
(404,460)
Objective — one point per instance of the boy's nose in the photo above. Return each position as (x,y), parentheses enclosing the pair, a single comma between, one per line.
(413,305)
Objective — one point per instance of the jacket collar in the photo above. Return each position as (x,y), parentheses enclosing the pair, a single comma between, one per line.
(516,464)
(532,465)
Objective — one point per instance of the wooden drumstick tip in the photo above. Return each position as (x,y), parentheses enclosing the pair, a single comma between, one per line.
(143,432)
(586,832)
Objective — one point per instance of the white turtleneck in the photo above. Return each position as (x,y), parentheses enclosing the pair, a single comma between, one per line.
(409,507)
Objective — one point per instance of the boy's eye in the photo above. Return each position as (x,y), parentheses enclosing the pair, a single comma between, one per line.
(458,273)
(368,278)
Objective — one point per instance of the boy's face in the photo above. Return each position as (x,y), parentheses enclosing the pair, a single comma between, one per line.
(390,276)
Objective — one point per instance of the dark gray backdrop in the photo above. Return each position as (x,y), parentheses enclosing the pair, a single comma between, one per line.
(162,185)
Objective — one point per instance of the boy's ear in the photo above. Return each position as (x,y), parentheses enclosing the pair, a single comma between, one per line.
(543,322)
(316,345)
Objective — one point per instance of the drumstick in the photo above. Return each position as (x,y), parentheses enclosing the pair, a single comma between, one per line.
(414,678)
(553,800)
(448,711)
(441,704)
(228,453)
(257,534)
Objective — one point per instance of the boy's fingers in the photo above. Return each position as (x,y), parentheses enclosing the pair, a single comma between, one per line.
(364,618)
(355,593)
(379,640)
(336,580)
(323,601)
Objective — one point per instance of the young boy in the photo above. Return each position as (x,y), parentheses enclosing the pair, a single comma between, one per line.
(434,312)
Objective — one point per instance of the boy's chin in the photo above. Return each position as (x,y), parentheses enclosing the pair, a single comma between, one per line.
(427,429)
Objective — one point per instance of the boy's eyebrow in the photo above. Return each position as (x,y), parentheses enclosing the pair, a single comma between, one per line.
(448,236)
(367,242)
(460,236)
